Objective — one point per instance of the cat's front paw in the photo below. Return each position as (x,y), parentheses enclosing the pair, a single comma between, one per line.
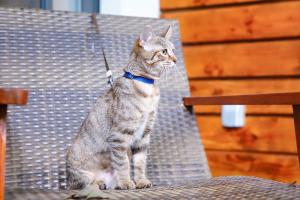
(143,183)
(125,185)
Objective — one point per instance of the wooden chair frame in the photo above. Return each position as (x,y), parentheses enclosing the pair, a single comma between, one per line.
(7,97)
(20,97)
(292,99)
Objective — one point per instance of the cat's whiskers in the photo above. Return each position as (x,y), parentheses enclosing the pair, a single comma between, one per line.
(179,73)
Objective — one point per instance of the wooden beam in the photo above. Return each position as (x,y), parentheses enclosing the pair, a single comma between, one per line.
(243,59)
(179,4)
(296,110)
(237,23)
(3,112)
(280,167)
(250,110)
(260,134)
(13,96)
(243,86)
(292,98)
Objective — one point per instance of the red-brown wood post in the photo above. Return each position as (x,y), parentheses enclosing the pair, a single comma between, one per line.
(3,111)
(7,97)
(296,111)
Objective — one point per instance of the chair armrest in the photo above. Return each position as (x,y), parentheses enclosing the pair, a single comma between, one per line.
(292,98)
(13,96)
(7,97)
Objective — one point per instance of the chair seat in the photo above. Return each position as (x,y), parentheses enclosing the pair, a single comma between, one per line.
(227,187)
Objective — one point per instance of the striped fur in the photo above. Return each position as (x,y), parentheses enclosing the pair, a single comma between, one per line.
(121,120)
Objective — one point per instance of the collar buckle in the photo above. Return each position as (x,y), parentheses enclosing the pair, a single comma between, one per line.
(130,76)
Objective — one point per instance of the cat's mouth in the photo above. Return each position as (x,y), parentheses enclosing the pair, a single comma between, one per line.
(151,63)
(169,64)
(164,64)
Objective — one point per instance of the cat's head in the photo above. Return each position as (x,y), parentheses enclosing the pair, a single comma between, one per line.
(154,53)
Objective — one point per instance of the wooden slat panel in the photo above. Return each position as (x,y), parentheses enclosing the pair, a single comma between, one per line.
(280,58)
(277,167)
(252,86)
(249,109)
(237,87)
(259,134)
(296,113)
(177,4)
(287,98)
(261,21)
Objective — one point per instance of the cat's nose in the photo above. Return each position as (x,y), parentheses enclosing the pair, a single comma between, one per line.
(174,59)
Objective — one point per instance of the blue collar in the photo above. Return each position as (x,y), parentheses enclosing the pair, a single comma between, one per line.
(138,78)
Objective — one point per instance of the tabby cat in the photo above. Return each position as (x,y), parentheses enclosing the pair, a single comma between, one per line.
(121,121)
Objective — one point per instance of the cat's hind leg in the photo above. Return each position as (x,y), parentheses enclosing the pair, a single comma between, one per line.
(105,179)
(90,192)
(88,183)
(78,178)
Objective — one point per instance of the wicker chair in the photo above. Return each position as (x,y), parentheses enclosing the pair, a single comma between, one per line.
(57,57)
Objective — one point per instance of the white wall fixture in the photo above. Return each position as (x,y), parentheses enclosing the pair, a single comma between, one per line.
(66,5)
(233,116)
(138,8)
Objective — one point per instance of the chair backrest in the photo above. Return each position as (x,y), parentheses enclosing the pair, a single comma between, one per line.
(57,57)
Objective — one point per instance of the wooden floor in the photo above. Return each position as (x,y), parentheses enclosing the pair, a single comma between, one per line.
(242,47)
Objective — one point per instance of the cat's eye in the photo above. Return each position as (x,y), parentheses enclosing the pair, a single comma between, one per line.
(165,51)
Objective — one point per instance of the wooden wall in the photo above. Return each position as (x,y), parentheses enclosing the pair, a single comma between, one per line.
(239,47)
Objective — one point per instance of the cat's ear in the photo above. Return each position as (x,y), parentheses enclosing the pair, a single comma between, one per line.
(145,36)
(168,33)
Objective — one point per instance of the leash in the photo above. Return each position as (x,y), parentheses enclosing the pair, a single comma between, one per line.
(108,71)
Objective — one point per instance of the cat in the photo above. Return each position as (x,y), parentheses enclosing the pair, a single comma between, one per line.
(122,120)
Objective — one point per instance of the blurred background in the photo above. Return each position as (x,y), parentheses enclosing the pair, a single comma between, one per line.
(230,47)
(243,47)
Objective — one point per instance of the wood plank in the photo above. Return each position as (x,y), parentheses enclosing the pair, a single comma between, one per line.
(296,111)
(260,133)
(13,96)
(243,59)
(244,86)
(237,87)
(291,98)
(263,21)
(178,4)
(270,166)
(250,109)
(3,111)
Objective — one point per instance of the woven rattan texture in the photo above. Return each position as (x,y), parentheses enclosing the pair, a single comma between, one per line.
(217,188)
(57,57)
